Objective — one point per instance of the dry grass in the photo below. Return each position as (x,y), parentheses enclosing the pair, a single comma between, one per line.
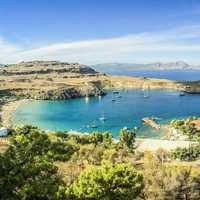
(4,144)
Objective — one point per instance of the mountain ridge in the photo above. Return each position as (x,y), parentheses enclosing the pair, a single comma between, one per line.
(111,67)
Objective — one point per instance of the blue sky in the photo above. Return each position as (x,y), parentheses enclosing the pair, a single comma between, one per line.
(96,31)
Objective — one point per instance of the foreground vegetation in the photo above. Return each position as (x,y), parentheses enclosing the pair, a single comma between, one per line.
(58,166)
(189,129)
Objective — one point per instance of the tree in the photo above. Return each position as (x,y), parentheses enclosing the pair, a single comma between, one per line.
(108,182)
(107,139)
(25,170)
(96,138)
(127,138)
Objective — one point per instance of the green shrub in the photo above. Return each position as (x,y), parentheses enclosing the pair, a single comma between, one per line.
(186,154)
(108,182)
(127,138)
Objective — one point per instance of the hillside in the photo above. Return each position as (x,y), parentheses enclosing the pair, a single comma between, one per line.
(47,80)
(46,67)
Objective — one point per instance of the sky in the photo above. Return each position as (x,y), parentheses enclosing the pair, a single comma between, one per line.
(100,31)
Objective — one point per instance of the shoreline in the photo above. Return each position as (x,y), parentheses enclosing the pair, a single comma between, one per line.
(7,111)
(142,144)
(150,144)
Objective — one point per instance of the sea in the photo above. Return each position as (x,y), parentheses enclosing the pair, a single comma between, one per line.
(179,75)
(115,110)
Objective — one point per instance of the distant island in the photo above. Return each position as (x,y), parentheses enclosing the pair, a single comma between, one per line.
(112,67)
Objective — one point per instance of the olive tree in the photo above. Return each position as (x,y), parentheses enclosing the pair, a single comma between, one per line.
(127,138)
(108,182)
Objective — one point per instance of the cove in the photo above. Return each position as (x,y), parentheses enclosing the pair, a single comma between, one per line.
(109,113)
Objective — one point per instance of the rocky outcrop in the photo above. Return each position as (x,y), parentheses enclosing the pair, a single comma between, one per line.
(62,93)
(50,80)
(46,67)
(192,87)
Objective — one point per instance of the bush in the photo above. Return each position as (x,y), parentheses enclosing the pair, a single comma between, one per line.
(186,154)
(108,182)
(26,172)
(61,151)
(127,138)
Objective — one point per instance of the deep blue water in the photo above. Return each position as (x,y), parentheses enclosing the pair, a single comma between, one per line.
(126,111)
(189,75)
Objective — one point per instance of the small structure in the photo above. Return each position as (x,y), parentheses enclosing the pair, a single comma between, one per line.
(3,131)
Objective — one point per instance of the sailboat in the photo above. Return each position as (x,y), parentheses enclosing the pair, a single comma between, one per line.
(93,125)
(146,91)
(86,98)
(181,93)
(103,118)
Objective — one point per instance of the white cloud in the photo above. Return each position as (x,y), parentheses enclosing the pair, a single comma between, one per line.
(135,47)
(7,49)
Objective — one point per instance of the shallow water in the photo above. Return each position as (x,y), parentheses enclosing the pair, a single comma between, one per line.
(127,111)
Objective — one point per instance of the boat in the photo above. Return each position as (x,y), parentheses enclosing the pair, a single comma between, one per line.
(115,92)
(146,91)
(113,100)
(181,93)
(86,99)
(103,118)
(93,126)
(119,97)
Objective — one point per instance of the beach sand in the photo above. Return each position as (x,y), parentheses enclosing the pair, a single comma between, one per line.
(155,144)
(7,112)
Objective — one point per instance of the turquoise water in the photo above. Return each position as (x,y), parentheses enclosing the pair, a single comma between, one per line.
(127,111)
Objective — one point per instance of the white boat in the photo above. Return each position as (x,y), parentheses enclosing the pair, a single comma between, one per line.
(103,118)
(146,91)
(86,99)
(181,93)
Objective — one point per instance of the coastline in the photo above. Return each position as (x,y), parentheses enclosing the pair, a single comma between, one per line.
(149,144)
(142,144)
(7,112)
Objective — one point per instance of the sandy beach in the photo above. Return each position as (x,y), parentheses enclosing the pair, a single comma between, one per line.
(155,144)
(7,111)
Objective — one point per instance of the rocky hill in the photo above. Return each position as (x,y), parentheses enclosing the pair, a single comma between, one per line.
(49,80)
(46,67)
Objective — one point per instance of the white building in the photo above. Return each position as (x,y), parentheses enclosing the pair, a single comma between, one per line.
(3,131)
